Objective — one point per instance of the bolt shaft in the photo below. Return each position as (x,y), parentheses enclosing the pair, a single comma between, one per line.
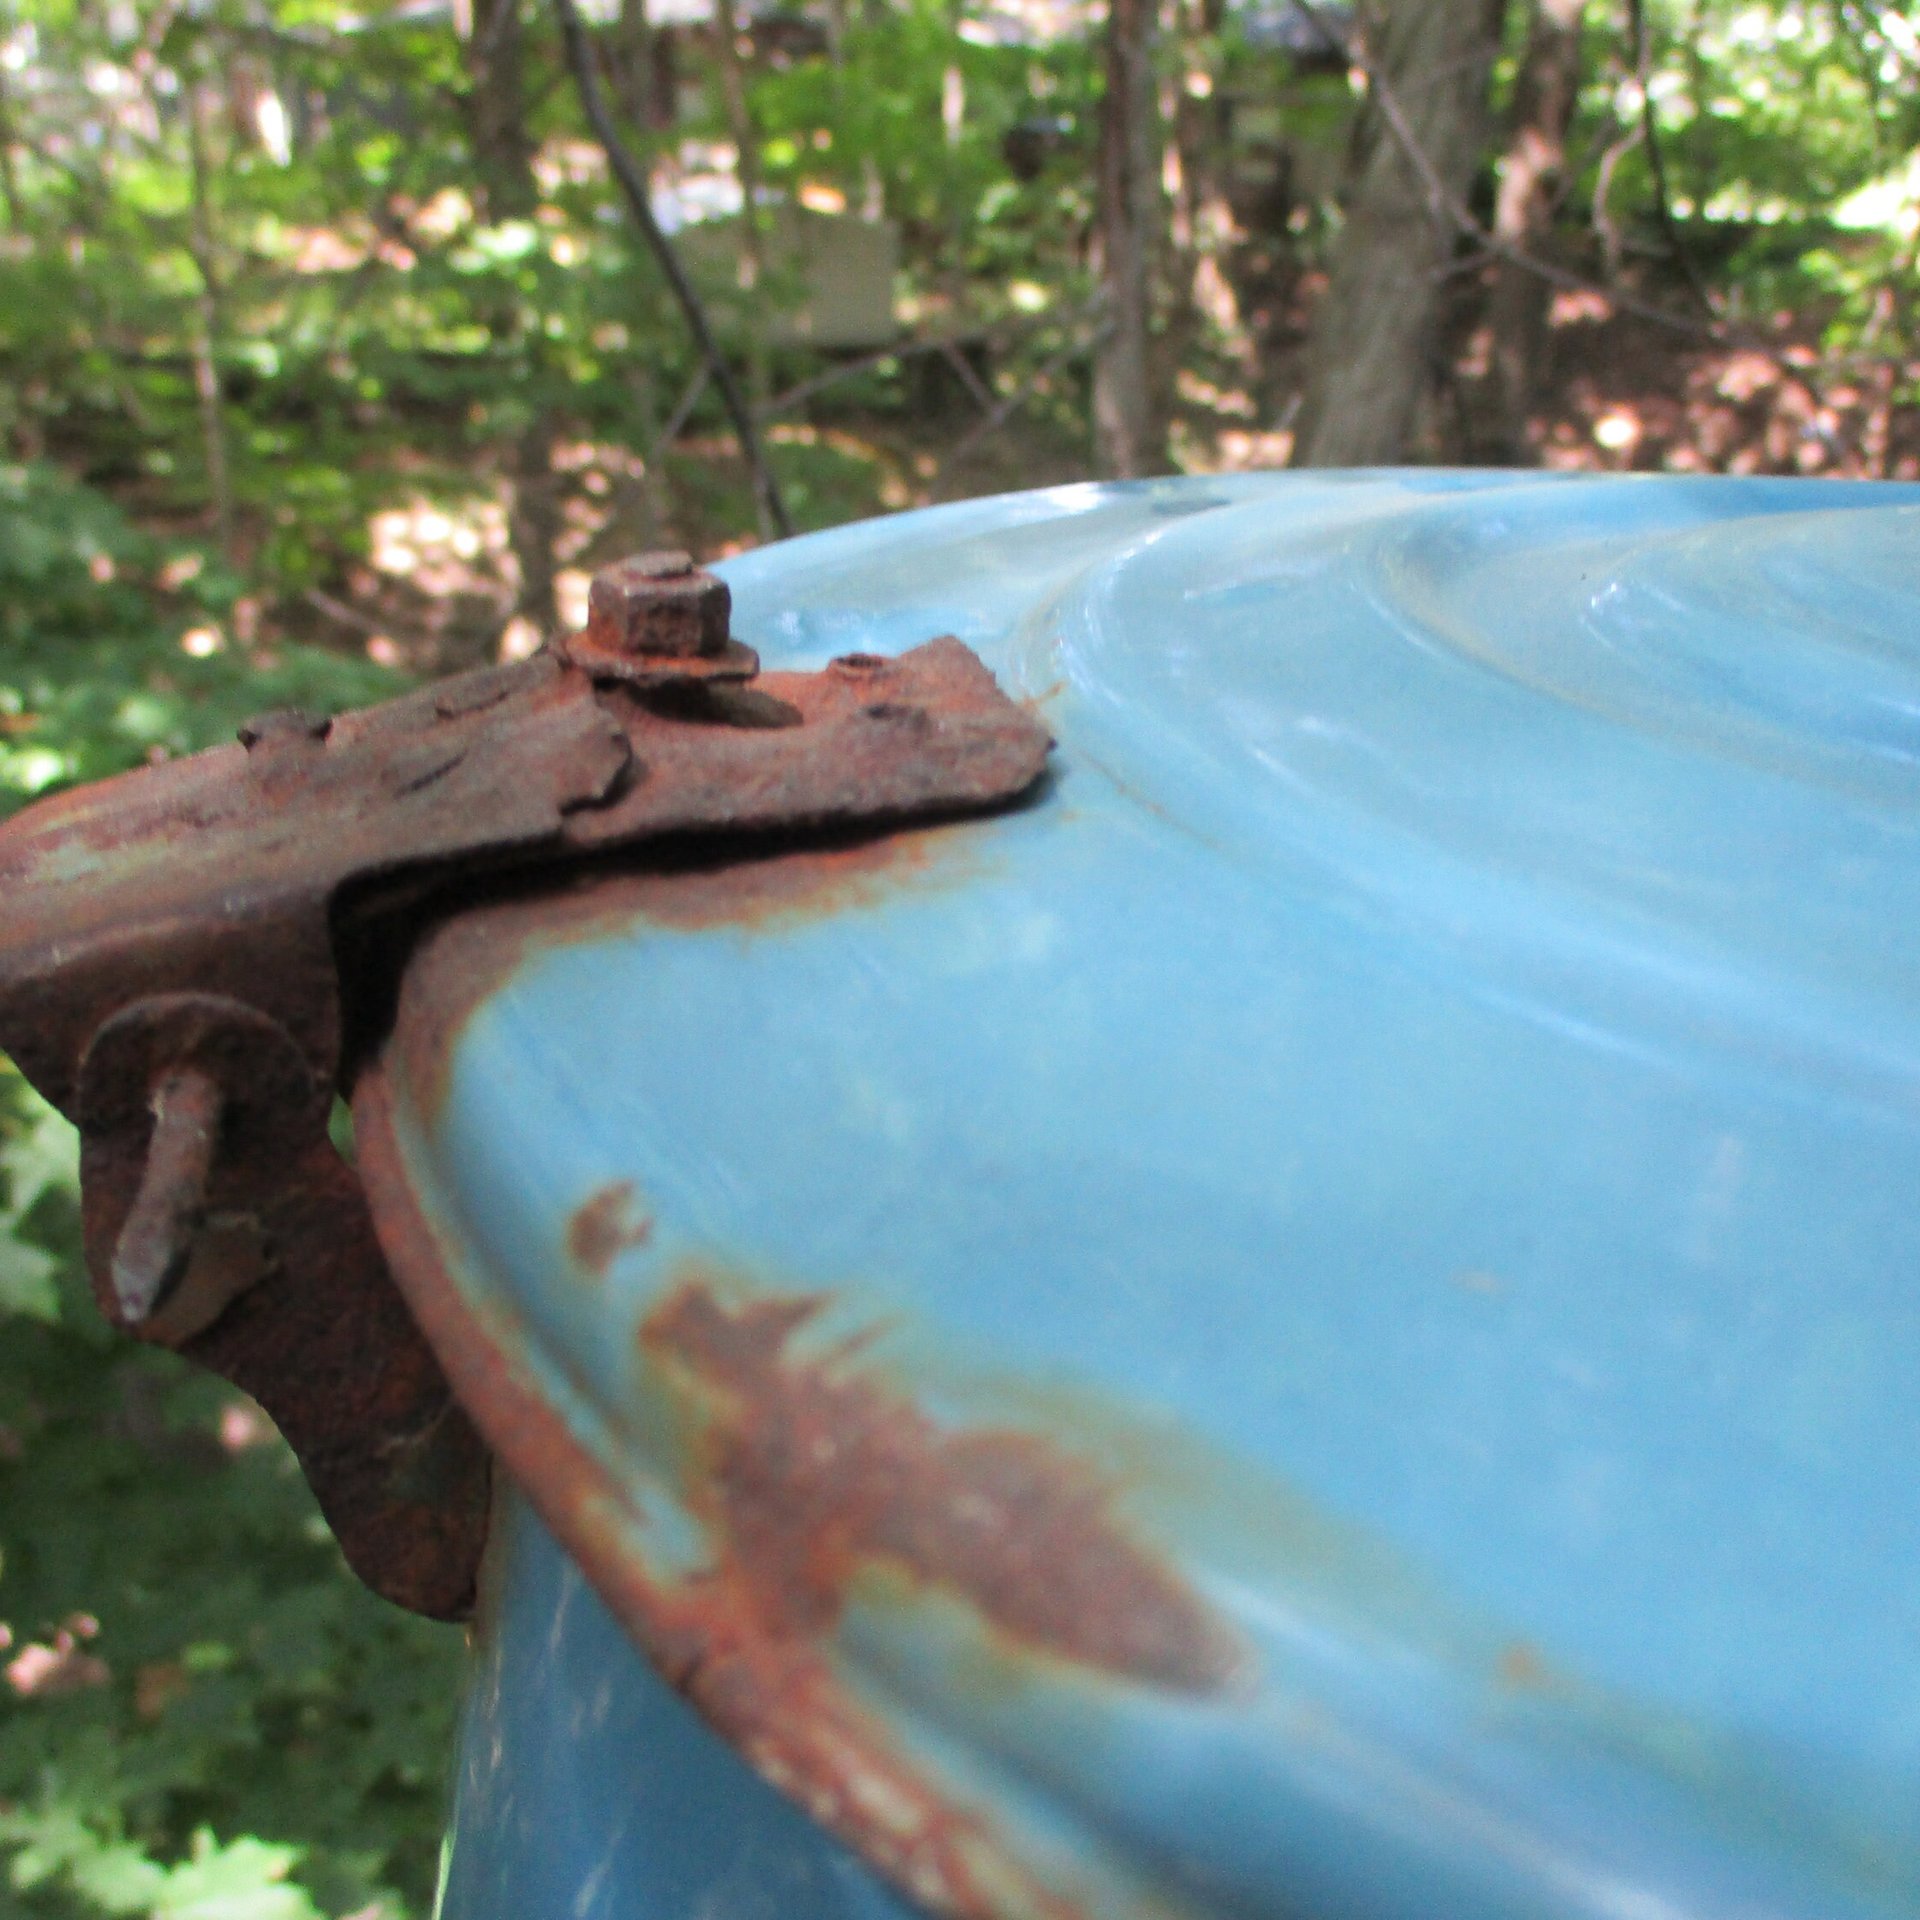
(157,1238)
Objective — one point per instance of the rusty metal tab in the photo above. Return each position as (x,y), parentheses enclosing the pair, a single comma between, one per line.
(188,947)
(218,873)
(864,741)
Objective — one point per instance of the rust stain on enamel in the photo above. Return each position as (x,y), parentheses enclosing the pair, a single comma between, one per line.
(810,1469)
(605,1225)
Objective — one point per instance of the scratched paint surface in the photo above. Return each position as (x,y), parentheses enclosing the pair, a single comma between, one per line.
(1419,1123)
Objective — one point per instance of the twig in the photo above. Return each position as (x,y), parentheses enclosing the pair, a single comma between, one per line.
(959,362)
(633,185)
(946,344)
(833,376)
(340,611)
(681,414)
(814,383)
(1005,408)
(1604,223)
(1491,245)
(1656,165)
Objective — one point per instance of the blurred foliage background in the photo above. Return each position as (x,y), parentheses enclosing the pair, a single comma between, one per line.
(332,359)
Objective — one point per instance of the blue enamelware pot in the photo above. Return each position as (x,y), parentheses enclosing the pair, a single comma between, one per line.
(1321,1321)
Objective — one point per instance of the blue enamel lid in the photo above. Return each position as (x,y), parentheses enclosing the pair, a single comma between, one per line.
(1331,1303)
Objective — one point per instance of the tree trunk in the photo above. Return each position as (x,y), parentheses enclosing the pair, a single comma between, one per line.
(1369,358)
(206,340)
(496,111)
(1202,223)
(752,307)
(753,219)
(9,170)
(1532,180)
(534,520)
(496,114)
(642,82)
(1123,407)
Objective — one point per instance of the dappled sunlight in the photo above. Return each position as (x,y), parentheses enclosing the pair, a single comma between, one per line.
(1628,399)
(520,639)
(437,586)
(1237,451)
(1578,307)
(1235,402)
(570,590)
(1618,431)
(44,1670)
(435,545)
(336,358)
(342,247)
(564,162)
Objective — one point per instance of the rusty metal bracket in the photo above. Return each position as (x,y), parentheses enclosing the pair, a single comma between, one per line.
(180,974)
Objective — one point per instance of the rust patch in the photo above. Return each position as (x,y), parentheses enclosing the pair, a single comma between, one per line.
(463,961)
(604,1225)
(780,1705)
(1521,1667)
(810,885)
(810,1469)
(771,1694)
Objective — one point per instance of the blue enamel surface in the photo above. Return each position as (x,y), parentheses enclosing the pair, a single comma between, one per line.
(588,1790)
(1428,1098)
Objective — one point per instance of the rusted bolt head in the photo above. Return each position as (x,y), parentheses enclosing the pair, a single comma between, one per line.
(657,603)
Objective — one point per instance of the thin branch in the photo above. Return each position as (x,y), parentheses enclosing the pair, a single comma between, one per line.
(1656,164)
(836,376)
(634,186)
(1490,245)
(1601,215)
(1005,408)
(339,610)
(963,368)
(681,414)
(946,343)
(1445,209)
(1873,31)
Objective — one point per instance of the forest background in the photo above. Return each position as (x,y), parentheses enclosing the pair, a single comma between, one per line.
(334,357)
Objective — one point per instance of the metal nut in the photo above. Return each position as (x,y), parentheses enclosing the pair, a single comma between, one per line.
(657,603)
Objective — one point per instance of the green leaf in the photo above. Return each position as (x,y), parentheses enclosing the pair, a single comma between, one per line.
(28,1284)
(38,1157)
(243,1880)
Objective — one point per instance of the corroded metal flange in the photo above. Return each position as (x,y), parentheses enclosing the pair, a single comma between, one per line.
(195,956)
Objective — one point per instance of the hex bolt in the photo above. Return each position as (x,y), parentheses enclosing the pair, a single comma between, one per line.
(157,1238)
(657,603)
